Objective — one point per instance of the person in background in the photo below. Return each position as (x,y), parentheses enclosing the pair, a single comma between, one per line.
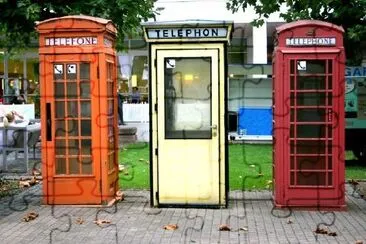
(120,108)
(135,96)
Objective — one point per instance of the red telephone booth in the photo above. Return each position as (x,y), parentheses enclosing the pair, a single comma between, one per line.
(78,70)
(308,109)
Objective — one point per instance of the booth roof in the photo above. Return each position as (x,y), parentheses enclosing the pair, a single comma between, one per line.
(83,17)
(196,22)
(300,23)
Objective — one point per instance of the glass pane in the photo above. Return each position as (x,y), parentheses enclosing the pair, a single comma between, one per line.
(310,83)
(71,71)
(84,71)
(60,128)
(60,166)
(71,89)
(311,115)
(311,178)
(187,98)
(58,72)
(311,131)
(311,162)
(308,147)
(311,99)
(73,127)
(330,161)
(86,165)
(110,89)
(74,166)
(330,82)
(292,179)
(59,90)
(292,66)
(330,66)
(311,66)
(330,179)
(85,128)
(60,146)
(73,147)
(85,109)
(59,110)
(86,147)
(84,89)
(110,107)
(72,109)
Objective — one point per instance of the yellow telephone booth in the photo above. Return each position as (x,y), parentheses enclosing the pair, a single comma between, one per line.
(78,70)
(188,113)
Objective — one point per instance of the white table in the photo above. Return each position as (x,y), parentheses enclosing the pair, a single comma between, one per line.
(135,112)
(25,138)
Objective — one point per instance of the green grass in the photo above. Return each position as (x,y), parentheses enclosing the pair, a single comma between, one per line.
(250,167)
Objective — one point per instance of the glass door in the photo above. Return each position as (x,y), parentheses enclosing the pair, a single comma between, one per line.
(312,121)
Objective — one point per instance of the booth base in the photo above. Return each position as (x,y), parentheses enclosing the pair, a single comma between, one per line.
(340,208)
(109,204)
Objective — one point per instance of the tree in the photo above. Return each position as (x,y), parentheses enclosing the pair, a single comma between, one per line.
(350,14)
(17,18)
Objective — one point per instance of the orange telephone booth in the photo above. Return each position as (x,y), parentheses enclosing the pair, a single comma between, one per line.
(78,70)
(308,109)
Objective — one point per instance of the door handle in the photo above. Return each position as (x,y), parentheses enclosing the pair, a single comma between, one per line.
(214,130)
(48,122)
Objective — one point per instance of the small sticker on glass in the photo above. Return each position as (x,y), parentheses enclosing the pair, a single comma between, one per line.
(301,65)
(58,69)
(170,64)
(71,68)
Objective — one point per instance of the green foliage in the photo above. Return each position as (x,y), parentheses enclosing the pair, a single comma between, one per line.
(350,14)
(17,18)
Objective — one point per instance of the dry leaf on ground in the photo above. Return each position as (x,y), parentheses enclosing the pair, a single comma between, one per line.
(244,229)
(359,242)
(36,172)
(321,231)
(121,167)
(289,221)
(120,196)
(79,220)
(100,222)
(224,228)
(30,216)
(332,234)
(171,227)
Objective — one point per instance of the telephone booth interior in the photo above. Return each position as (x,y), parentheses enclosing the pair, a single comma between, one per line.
(308,109)
(78,110)
(187,112)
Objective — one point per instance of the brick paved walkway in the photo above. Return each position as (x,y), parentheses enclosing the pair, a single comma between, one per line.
(249,215)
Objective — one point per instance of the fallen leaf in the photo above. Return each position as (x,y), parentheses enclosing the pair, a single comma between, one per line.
(260,174)
(121,167)
(171,227)
(353,182)
(321,231)
(252,166)
(120,196)
(33,181)
(224,228)
(24,183)
(79,220)
(36,172)
(289,221)
(141,159)
(269,182)
(100,222)
(359,242)
(30,216)
(332,234)
(244,229)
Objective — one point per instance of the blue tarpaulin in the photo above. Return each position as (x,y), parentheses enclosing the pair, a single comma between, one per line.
(255,121)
